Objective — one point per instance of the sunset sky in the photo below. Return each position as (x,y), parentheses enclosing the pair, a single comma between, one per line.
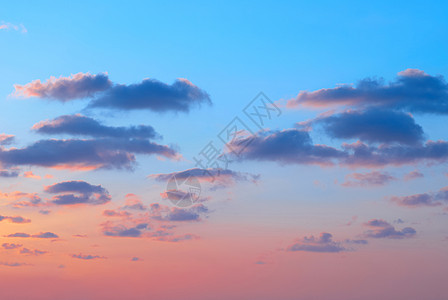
(312,134)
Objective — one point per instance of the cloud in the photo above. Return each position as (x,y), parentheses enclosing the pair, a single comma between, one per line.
(383,229)
(324,244)
(179,238)
(42,235)
(373,126)
(34,252)
(83,154)
(150,94)
(113,213)
(153,95)
(10,26)
(16,219)
(9,173)
(78,192)
(86,126)
(81,85)
(367,179)
(136,259)
(413,175)
(30,174)
(14,264)
(133,202)
(286,146)
(424,199)
(164,213)
(6,139)
(296,146)
(413,90)
(122,231)
(9,246)
(87,257)
(220,177)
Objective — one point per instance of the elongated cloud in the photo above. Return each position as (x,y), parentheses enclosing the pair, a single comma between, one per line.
(9,173)
(83,154)
(78,192)
(373,126)
(367,179)
(287,146)
(153,95)
(42,235)
(164,213)
(323,243)
(16,219)
(382,229)
(10,26)
(33,252)
(222,177)
(424,199)
(413,90)
(296,146)
(87,256)
(81,85)
(150,94)
(86,126)
(9,246)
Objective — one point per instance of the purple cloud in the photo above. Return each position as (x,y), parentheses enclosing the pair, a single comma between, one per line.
(87,257)
(86,126)
(153,95)
(424,199)
(367,179)
(16,219)
(413,90)
(78,192)
(373,126)
(323,243)
(382,229)
(83,154)
(9,246)
(42,235)
(81,85)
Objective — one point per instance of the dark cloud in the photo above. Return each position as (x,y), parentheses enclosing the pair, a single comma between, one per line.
(323,243)
(287,146)
(78,192)
(87,257)
(136,259)
(81,85)
(86,126)
(83,154)
(367,179)
(16,219)
(295,146)
(373,126)
(413,90)
(383,229)
(153,95)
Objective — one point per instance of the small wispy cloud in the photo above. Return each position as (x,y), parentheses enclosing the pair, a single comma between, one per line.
(9,26)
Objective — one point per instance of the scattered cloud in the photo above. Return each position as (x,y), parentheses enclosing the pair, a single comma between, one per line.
(87,257)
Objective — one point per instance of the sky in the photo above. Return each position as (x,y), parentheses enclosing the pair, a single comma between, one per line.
(223,150)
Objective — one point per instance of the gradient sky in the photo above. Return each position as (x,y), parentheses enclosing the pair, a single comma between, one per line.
(341,195)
